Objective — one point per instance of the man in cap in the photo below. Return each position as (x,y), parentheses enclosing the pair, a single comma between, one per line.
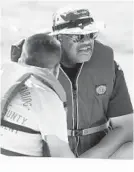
(99,107)
(33,119)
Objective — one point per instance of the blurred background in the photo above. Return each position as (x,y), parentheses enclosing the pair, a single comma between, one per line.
(22,18)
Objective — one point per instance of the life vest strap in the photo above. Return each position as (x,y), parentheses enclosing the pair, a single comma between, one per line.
(11,153)
(88,131)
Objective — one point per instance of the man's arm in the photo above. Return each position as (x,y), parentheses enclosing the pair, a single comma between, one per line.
(120,112)
(121,133)
(124,152)
(58,148)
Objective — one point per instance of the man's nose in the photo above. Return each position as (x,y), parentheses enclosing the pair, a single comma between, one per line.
(86,43)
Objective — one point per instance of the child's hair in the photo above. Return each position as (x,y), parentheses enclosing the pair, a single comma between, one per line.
(41,50)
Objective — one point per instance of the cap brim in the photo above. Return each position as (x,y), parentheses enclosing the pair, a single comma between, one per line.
(91,28)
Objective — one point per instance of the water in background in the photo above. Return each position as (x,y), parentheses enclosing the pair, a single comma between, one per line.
(22,19)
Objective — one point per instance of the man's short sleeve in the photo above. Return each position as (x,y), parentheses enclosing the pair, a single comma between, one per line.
(120,103)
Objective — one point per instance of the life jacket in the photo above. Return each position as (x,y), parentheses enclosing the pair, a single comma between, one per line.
(88,98)
(13,76)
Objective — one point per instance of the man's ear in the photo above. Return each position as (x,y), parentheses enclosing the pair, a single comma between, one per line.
(59,37)
(16,51)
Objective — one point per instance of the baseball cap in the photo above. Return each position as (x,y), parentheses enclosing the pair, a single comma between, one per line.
(73,21)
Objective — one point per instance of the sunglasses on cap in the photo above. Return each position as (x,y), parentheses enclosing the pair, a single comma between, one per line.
(81,38)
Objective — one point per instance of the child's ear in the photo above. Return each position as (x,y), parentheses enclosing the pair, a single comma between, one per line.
(16,51)
(56,70)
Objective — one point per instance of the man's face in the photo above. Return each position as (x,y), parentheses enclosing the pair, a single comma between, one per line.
(77,48)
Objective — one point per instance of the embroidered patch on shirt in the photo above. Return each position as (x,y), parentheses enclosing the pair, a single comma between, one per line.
(101,89)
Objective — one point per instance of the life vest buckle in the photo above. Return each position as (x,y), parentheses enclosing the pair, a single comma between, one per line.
(78,132)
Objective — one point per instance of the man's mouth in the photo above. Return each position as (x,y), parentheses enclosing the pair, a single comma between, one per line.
(87,48)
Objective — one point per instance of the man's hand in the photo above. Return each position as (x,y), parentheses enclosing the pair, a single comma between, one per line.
(122,133)
(124,152)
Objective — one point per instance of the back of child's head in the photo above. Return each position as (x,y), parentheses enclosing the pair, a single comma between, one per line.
(41,50)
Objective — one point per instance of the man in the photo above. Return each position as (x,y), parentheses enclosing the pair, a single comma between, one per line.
(99,108)
(33,121)
(97,94)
